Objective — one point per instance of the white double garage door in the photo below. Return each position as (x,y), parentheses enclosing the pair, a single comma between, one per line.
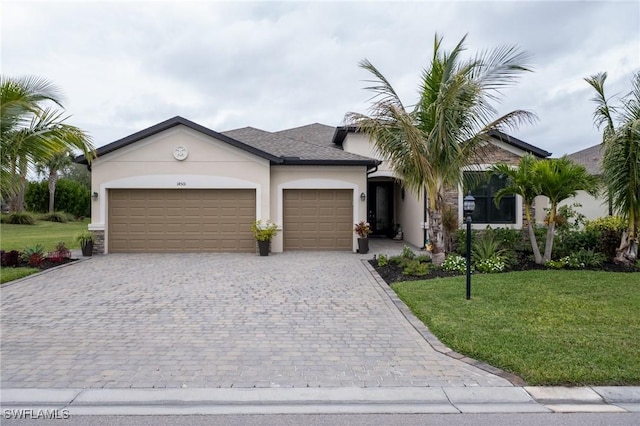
(219,220)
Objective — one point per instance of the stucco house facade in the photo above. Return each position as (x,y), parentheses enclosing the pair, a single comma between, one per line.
(178,186)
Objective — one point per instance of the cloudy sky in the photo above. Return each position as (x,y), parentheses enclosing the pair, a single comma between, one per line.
(124,66)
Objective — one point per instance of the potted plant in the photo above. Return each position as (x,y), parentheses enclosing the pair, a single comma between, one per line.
(363,229)
(263,233)
(85,238)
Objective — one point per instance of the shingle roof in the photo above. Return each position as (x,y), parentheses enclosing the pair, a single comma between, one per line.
(277,148)
(291,149)
(590,157)
(316,133)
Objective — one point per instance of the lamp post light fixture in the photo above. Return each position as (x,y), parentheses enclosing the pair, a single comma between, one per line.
(468,206)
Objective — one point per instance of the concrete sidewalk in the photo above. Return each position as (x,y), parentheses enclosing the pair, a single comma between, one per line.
(448,400)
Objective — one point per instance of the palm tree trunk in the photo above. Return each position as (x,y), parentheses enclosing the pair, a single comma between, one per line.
(53,176)
(548,246)
(627,253)
(16,201)
(532,237)
(436,237)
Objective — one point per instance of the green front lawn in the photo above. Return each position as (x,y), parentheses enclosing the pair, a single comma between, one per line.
(10,274)
(548,327)
(17,237)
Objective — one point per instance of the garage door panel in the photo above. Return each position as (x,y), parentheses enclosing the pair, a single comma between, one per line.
(165,220)
(318,219)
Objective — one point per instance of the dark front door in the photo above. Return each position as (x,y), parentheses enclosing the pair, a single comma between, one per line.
(380,208)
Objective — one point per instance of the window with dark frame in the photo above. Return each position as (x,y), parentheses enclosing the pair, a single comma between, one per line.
(484,189)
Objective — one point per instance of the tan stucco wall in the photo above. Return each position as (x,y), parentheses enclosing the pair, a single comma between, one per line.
(315,177)
(410,214)
(592,208)
(150,163)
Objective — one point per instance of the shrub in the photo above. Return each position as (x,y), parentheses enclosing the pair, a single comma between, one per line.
(60,253)
(509,239)
(264,231)
(487,248)
(71,197)
(586,258)
(454,263)
(61,217)
(573,241)
(609,231)
(414,267)
(424,258)
(383,260)
(557,264)
(20,218)
(407,253)
(491,265)
(34,255)
(10,259)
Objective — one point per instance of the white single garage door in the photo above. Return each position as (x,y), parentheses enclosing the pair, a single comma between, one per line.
(181,220)
(318,219)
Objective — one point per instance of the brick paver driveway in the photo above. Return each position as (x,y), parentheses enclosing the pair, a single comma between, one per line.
(215,320)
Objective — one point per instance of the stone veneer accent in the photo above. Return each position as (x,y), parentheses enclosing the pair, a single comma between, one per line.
(98,242)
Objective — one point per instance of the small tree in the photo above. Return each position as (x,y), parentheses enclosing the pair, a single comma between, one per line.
(521,181)
(559,179)
(621,162)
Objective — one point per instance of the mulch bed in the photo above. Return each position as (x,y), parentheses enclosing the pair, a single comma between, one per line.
(48,263)
(392,273)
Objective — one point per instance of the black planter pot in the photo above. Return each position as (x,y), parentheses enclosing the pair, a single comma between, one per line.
(263,247)
(363,245)
(87,248)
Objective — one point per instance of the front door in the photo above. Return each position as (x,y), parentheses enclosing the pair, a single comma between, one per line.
(380,208)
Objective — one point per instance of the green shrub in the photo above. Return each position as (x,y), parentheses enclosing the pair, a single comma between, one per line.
(509,239)
(454,263)
(264,231)
(61,217)
(396,260)
(71,197)
(424,258)
(414,267)
(491,265)
(572,241)
(34,255)
(557,264)
(383,260)
(609,232)
(407,253)
(586,259)
(487,248)
(20,218)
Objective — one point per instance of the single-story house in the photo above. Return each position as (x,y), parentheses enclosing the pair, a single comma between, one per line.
(179,187)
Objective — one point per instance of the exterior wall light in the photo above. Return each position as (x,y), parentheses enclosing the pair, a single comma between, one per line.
(363,196)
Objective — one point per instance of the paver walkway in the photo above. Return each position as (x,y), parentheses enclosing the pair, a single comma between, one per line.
(215,320)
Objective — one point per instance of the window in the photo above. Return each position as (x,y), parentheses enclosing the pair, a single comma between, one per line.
(484,187)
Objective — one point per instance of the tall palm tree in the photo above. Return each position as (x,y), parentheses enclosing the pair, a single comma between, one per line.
(521,181)
(31,130)
(51,166)
(428,145)
(559,179)
(621,160)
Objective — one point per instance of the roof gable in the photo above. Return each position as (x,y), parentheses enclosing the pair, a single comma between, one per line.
(168,124)
(341,132)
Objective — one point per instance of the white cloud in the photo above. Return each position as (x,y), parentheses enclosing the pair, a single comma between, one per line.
(128,65)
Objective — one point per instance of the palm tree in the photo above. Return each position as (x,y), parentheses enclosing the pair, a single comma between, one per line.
(559,179)
(621,160)
(428,145)
(51,166)
(521,181)
(31,131)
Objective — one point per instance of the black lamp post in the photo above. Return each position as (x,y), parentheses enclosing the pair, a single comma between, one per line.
(468,206)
